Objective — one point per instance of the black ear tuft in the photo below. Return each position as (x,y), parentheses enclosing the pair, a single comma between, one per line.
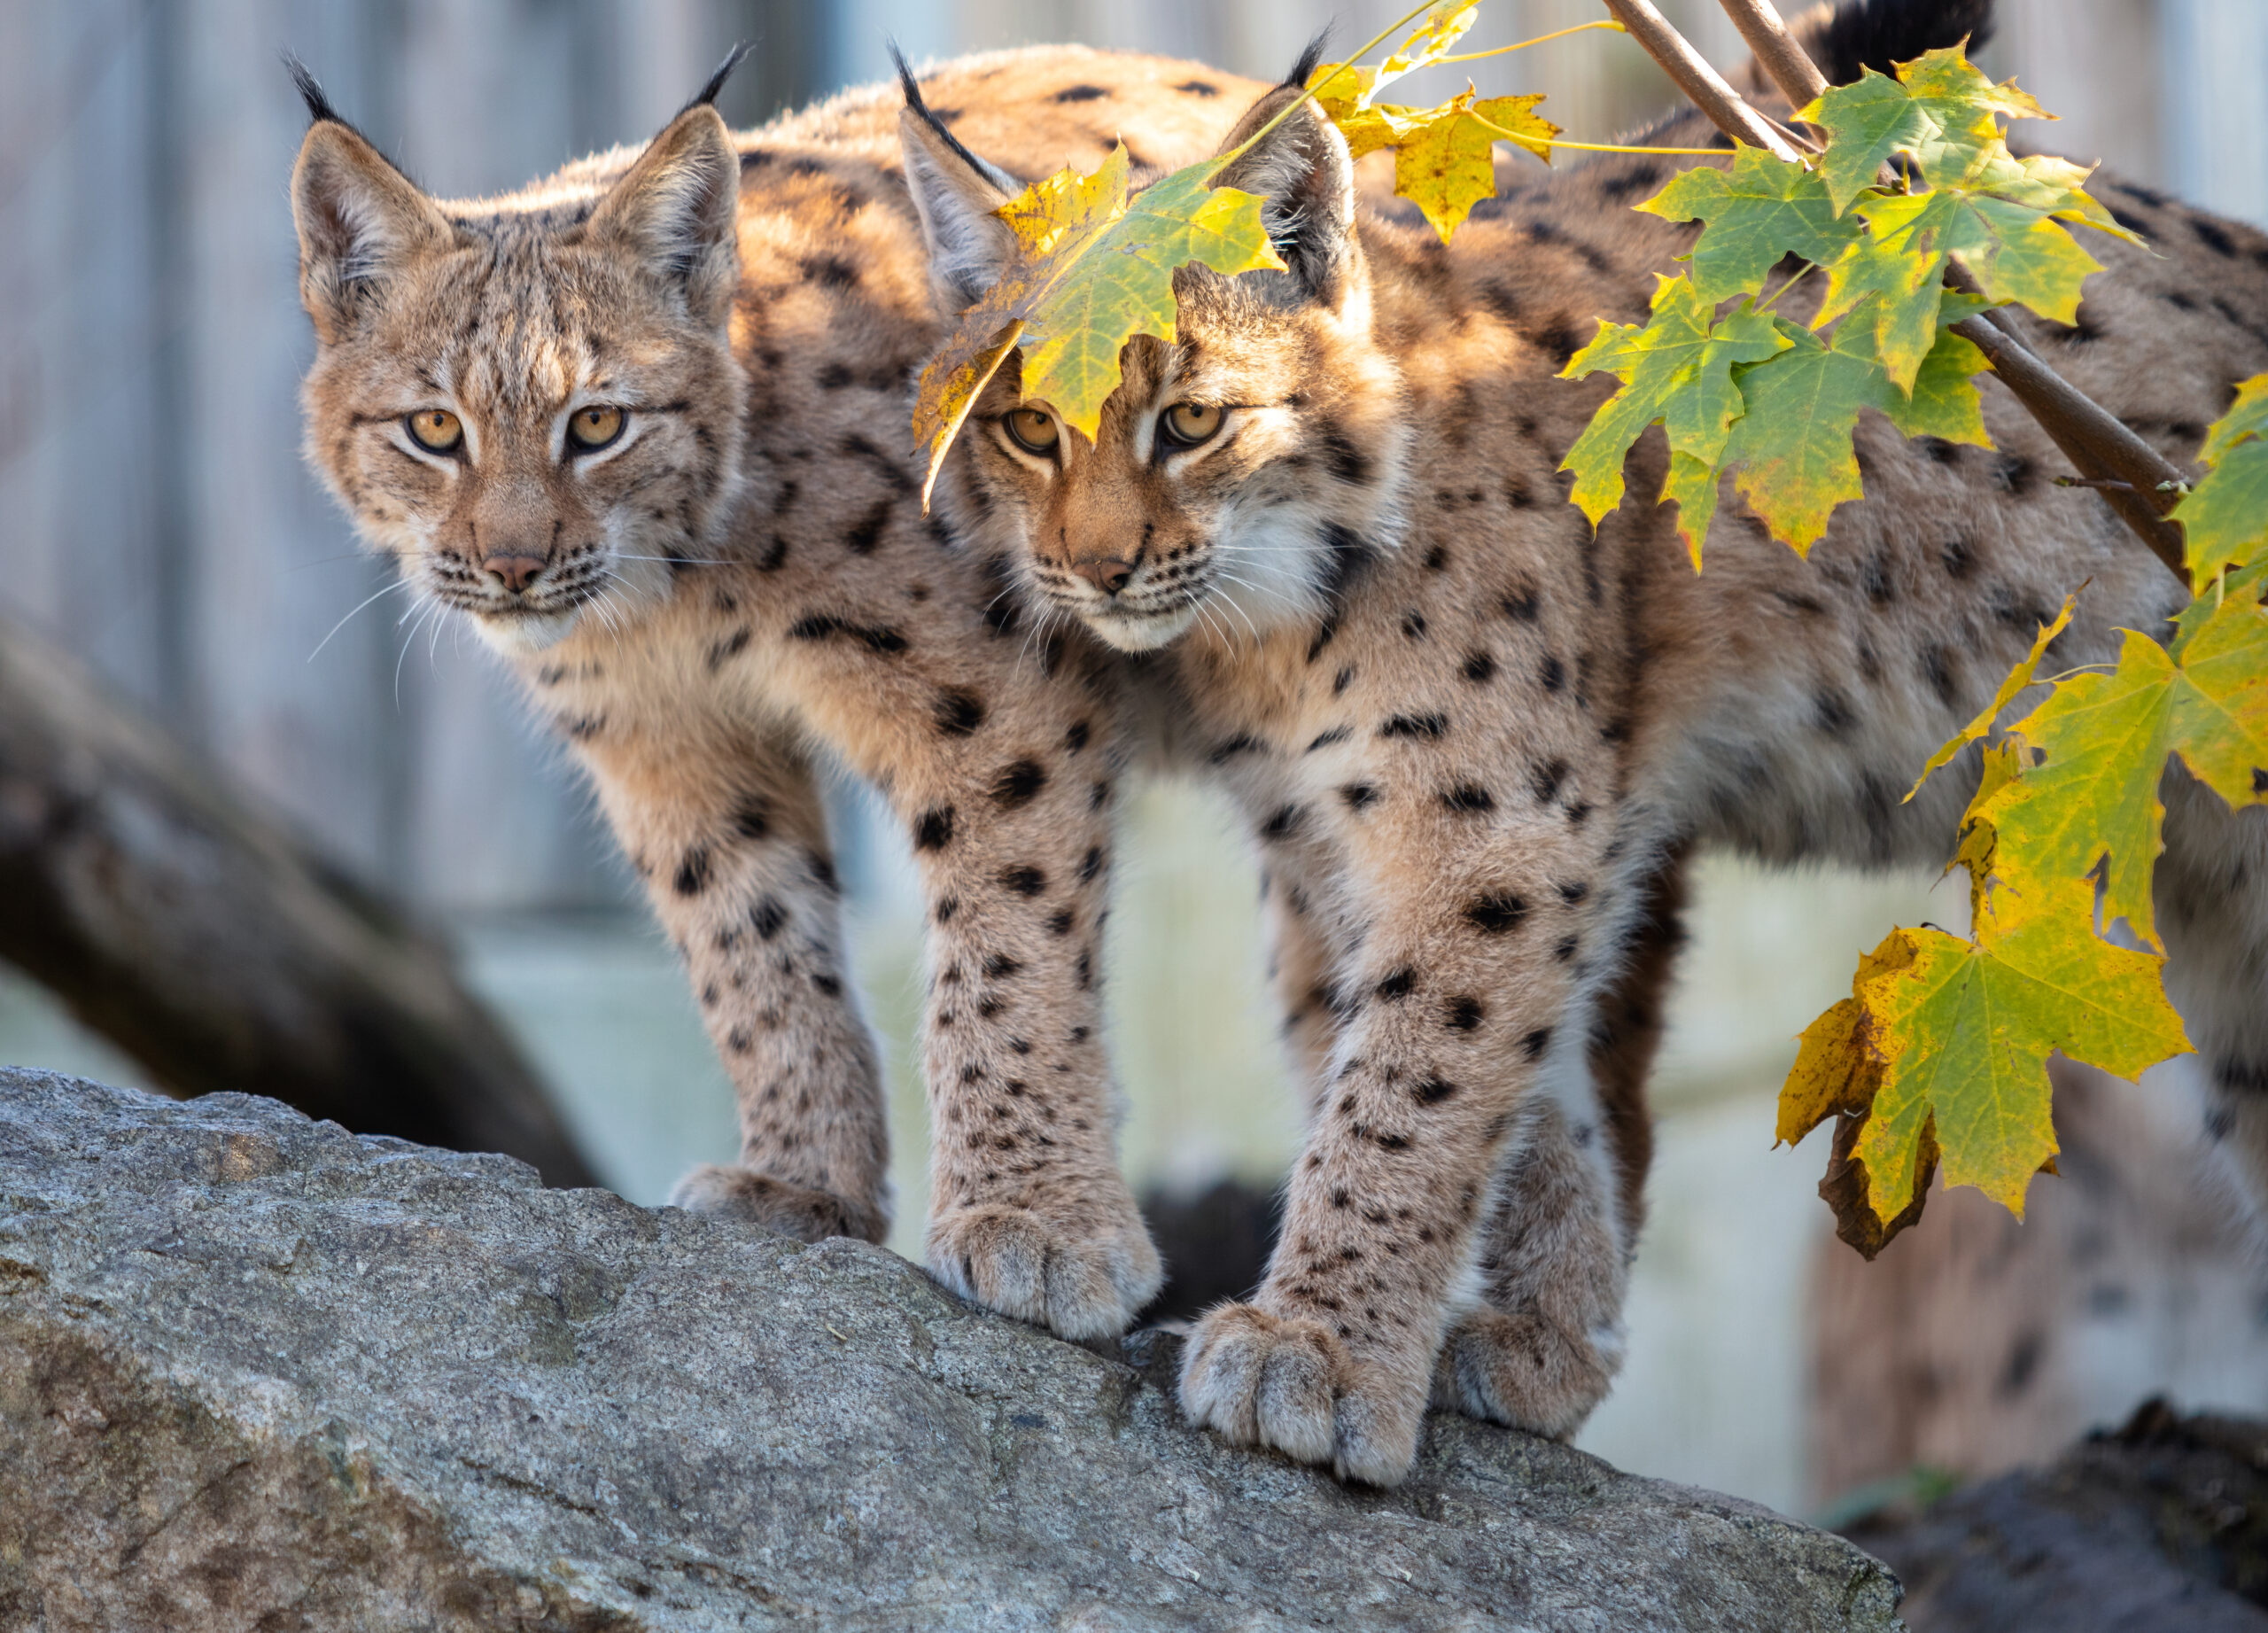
(319,108)
(1875,34)
(984,167)
(1313,55)
(706,96)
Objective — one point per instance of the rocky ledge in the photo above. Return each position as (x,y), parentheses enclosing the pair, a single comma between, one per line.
(256,1372)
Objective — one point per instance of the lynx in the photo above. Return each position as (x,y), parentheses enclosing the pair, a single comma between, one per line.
(644,424)
(1470,736)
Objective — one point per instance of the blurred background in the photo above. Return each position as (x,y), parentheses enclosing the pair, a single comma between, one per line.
(155,519)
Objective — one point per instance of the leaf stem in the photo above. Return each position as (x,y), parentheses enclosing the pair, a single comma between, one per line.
(1810,266)
(1541,39)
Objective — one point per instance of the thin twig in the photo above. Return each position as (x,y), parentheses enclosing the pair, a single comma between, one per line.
(1786,63)
(1702,85)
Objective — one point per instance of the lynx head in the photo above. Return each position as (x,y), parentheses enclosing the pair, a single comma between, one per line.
(530,401)
(1238,475)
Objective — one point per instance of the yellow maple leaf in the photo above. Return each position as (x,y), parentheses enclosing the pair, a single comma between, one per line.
(2017,679)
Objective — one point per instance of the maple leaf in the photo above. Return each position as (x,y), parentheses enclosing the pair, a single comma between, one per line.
(1760,210)
(2225,515)
(1793,442)
(1444,159)
(1096,269)
(2017,679)
(2086,794)
(1940,111)
(1344,88)
(1676,369)
(1963,1029)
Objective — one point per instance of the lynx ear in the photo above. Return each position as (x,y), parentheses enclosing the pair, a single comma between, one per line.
(1304,173)
(359,221)
(956,193)
(677,211)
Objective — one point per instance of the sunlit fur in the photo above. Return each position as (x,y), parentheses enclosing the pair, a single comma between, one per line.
(743,589)
(1473,745)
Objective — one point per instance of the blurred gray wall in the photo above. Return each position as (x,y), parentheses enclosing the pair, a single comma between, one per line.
(153,510)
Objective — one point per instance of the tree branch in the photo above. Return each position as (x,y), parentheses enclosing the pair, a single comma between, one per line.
(2090,436)
(1702,84)
(217,950)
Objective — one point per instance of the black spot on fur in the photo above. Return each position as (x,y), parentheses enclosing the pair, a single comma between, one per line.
(934,829)
(1018,783)
(1464,1013)
(1831,711)
(1198,88)
(692,872)
(730,647)
(1432,1091)
(1552,673)
(1480,667)
(1324,632)
(1496,913)
(1436,559)
(1243,742)
(999,966)
(1397,985)
(1536,1042)
(820,626)
(1280,825)
(1468,797)
(829,271)
(1958,556)
(1429,728)
(958,713)
(752,820)
(1077,738)
(1339,682)
(1413,626)
(866,531)
(2210,235)
(1080,93)
(2014,475)
(1572,893)
(1024,880)
(1324,740)
(1359,795)
(1091,865)
(1520,603)
(1938,669)
(1544,780)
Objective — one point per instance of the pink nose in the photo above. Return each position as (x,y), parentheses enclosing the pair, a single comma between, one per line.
(514,572)
(1109,575)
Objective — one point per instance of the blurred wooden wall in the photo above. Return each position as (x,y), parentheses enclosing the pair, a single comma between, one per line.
(153,511)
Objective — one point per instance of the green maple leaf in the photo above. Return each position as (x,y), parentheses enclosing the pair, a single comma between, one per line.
(2085,795)
(2225,515)
(1096,269)
(1793,443)
(1961,1031)
(1677,370)
(1760,210)
(1940,110)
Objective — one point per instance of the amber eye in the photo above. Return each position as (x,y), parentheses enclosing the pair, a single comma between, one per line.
(591,429)
(436,430)
(1186,424)
(1034,431)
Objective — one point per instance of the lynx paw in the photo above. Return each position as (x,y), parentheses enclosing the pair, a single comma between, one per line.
(1080,1276)
(730,1192)
(1285,1381)
(1519,1370)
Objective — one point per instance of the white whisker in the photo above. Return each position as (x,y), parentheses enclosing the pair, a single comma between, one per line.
(399,584)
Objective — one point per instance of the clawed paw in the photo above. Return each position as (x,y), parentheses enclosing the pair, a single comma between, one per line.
(1522,1371)
(1292,1383)
(1079,1273)
(727,1190)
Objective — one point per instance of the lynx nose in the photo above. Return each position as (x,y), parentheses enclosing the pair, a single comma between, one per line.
(1109,575)
(514,572)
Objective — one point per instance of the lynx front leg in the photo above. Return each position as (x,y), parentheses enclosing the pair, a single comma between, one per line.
(732,846)
(1542,1348)
(1447,1018)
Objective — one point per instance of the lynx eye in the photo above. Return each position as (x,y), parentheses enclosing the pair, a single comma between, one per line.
(1188,423)
(593,428)
(1034,431)
(436,430)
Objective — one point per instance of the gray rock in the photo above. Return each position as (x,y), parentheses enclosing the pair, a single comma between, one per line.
(256,1372)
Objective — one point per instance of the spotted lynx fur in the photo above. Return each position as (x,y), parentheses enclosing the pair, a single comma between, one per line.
(741,582)
(1471,736)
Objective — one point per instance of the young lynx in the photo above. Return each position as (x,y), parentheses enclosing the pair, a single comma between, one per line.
(643,422)
(1469,734)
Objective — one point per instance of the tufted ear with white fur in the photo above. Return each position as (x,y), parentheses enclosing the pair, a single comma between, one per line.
(677,210)
(1304,172)
(359,221)
(955,194)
